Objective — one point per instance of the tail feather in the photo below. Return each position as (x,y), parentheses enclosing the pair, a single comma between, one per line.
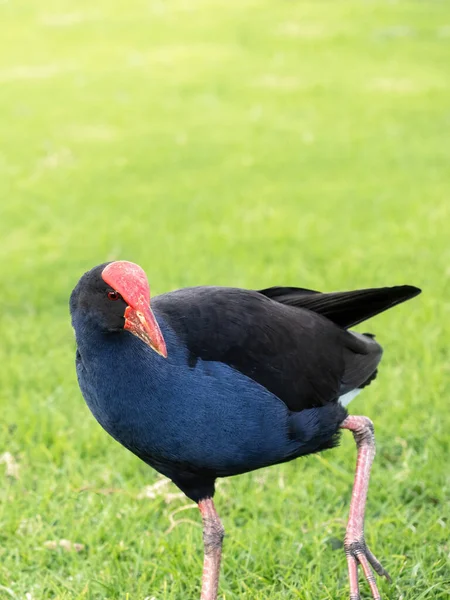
(346,309)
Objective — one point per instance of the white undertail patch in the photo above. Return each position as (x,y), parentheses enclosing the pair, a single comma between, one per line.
(348,397)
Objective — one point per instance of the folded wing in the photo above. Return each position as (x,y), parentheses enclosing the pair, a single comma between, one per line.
(300,356)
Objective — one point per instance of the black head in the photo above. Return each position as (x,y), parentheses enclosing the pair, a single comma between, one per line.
(98,301)
(114,297)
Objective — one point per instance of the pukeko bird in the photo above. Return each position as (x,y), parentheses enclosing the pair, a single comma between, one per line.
(210,382)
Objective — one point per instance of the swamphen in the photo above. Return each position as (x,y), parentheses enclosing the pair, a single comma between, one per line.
(213,381)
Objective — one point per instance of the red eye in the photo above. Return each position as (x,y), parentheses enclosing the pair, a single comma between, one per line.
(114,295)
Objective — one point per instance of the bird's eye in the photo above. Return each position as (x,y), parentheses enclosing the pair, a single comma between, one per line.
(113,295)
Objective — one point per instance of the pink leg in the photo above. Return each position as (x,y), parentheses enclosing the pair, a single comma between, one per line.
(355,545)
(213,533)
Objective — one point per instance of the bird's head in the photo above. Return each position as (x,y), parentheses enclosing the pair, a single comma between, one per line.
(117,296)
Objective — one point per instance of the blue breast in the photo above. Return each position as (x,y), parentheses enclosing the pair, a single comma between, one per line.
(206,415)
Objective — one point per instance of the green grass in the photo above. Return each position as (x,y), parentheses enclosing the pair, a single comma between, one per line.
(248,143)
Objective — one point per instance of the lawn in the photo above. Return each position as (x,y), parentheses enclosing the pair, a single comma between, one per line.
(249,143)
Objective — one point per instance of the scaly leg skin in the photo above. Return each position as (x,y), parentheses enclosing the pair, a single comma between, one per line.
(213,533)
(355,545)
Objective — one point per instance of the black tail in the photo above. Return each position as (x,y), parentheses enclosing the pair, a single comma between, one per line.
(346,309)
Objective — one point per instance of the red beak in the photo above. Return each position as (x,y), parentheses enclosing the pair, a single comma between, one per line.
(142,323)
(131,282)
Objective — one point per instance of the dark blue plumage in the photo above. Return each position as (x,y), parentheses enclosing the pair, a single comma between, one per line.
(220,381)
(207,420)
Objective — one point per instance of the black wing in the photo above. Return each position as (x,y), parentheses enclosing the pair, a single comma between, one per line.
(346,309)
(302,357)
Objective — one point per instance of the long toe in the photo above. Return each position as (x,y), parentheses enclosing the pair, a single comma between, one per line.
(377,566)
(368,574)
(353,577)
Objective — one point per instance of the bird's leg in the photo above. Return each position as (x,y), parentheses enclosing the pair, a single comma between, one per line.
(355,545)
(213,533)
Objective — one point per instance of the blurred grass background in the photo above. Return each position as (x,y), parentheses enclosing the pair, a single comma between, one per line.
(249,143)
